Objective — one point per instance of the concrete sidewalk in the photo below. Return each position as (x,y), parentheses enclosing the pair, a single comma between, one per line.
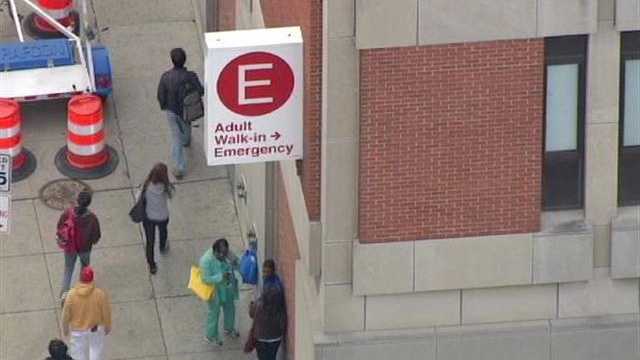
(155,317)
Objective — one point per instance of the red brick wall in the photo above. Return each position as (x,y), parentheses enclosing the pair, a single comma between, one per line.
(308,15)
(286,256)
(451,140)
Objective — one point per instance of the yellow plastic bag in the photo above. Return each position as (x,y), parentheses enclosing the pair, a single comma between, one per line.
(204,291)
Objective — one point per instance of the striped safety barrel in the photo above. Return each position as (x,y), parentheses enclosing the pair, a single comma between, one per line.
(86,134)
(10,134)
(61,10)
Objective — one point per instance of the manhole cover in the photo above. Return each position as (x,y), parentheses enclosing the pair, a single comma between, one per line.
(61,194)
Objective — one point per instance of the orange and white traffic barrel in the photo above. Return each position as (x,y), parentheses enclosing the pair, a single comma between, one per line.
(86,155)
(60,10)
(23,161)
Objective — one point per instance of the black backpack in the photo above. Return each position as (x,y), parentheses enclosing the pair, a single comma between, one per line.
(190,99)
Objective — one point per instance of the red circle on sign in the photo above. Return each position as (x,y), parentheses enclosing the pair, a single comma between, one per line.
(255,84)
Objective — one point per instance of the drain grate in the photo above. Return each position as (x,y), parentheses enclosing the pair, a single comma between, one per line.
(61,194)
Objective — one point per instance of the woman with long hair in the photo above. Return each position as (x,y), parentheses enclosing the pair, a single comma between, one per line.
(157,190)
(269,323)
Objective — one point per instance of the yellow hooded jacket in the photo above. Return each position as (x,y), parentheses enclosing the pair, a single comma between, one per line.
(86,306)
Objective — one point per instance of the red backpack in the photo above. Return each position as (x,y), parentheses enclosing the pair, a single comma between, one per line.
(68,234)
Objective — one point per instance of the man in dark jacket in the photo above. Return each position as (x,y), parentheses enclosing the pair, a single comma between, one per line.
(170,102)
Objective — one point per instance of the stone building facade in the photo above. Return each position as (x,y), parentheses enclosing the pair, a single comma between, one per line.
(471,183)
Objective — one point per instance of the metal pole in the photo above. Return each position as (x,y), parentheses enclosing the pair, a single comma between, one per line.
(16,19)
(83,32)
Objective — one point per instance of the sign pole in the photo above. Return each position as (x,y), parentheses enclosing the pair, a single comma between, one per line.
(6,164)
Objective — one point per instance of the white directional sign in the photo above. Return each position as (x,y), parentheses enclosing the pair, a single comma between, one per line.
(254,92)
(5,192)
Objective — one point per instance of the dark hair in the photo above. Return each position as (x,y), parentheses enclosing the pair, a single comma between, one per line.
(160,175)
(270,264)
(178,57)
(219,243)
(83,200)
(58,350)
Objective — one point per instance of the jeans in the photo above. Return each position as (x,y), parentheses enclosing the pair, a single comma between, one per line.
(150,233)
(70,264)
(83,342)
(181,136)
(267,350)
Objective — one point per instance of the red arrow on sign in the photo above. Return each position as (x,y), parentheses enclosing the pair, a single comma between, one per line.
(276,135)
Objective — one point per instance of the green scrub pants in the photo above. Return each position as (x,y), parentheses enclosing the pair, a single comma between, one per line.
(229,309)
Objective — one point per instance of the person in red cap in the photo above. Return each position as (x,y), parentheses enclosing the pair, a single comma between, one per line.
(86,317)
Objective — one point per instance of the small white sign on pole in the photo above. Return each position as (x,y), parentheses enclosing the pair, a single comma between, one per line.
(5,207)
(254,92)
(5,192)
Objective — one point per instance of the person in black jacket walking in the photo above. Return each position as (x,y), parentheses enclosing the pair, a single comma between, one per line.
(169,99)
(269,324)
(58,350)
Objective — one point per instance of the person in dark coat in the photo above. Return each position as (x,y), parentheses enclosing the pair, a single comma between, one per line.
(269,324)
(58,350)
(89,234)
(168,98)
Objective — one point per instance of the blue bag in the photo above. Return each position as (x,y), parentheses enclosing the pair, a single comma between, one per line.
(249,267)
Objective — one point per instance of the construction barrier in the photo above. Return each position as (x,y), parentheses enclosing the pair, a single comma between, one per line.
(61,10)
(24,163)
(86,155)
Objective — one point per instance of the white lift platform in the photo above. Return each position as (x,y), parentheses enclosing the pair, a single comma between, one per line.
(37,77)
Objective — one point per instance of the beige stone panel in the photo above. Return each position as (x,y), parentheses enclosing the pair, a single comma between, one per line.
(337,262)
(473,262)
(385,268)
(602,246)
(606,10)
(600,296)
(601,169)
(562,257)
(627,217)
(384,23)
(514,303)
(627,15)
(339,197)
(342,90)
(625,253)
(341,16)
(417,310)
(603,75)
(446,21)
(343,311)
(567,17)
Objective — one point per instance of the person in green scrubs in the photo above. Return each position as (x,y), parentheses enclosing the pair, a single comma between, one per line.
(218,265)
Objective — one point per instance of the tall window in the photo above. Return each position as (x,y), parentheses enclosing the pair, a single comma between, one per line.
(563,177)
(629,169)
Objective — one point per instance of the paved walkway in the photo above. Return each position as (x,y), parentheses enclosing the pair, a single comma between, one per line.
(155,317)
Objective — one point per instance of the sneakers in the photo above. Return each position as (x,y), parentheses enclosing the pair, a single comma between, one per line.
(211,341)
(232,333)
(177,174)
(153,269)
(164,250)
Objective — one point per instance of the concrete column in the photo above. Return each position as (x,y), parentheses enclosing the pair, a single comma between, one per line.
(340,149)
(602,113)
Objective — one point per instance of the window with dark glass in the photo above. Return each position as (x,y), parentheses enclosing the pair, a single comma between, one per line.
(563,173)
(629,155)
